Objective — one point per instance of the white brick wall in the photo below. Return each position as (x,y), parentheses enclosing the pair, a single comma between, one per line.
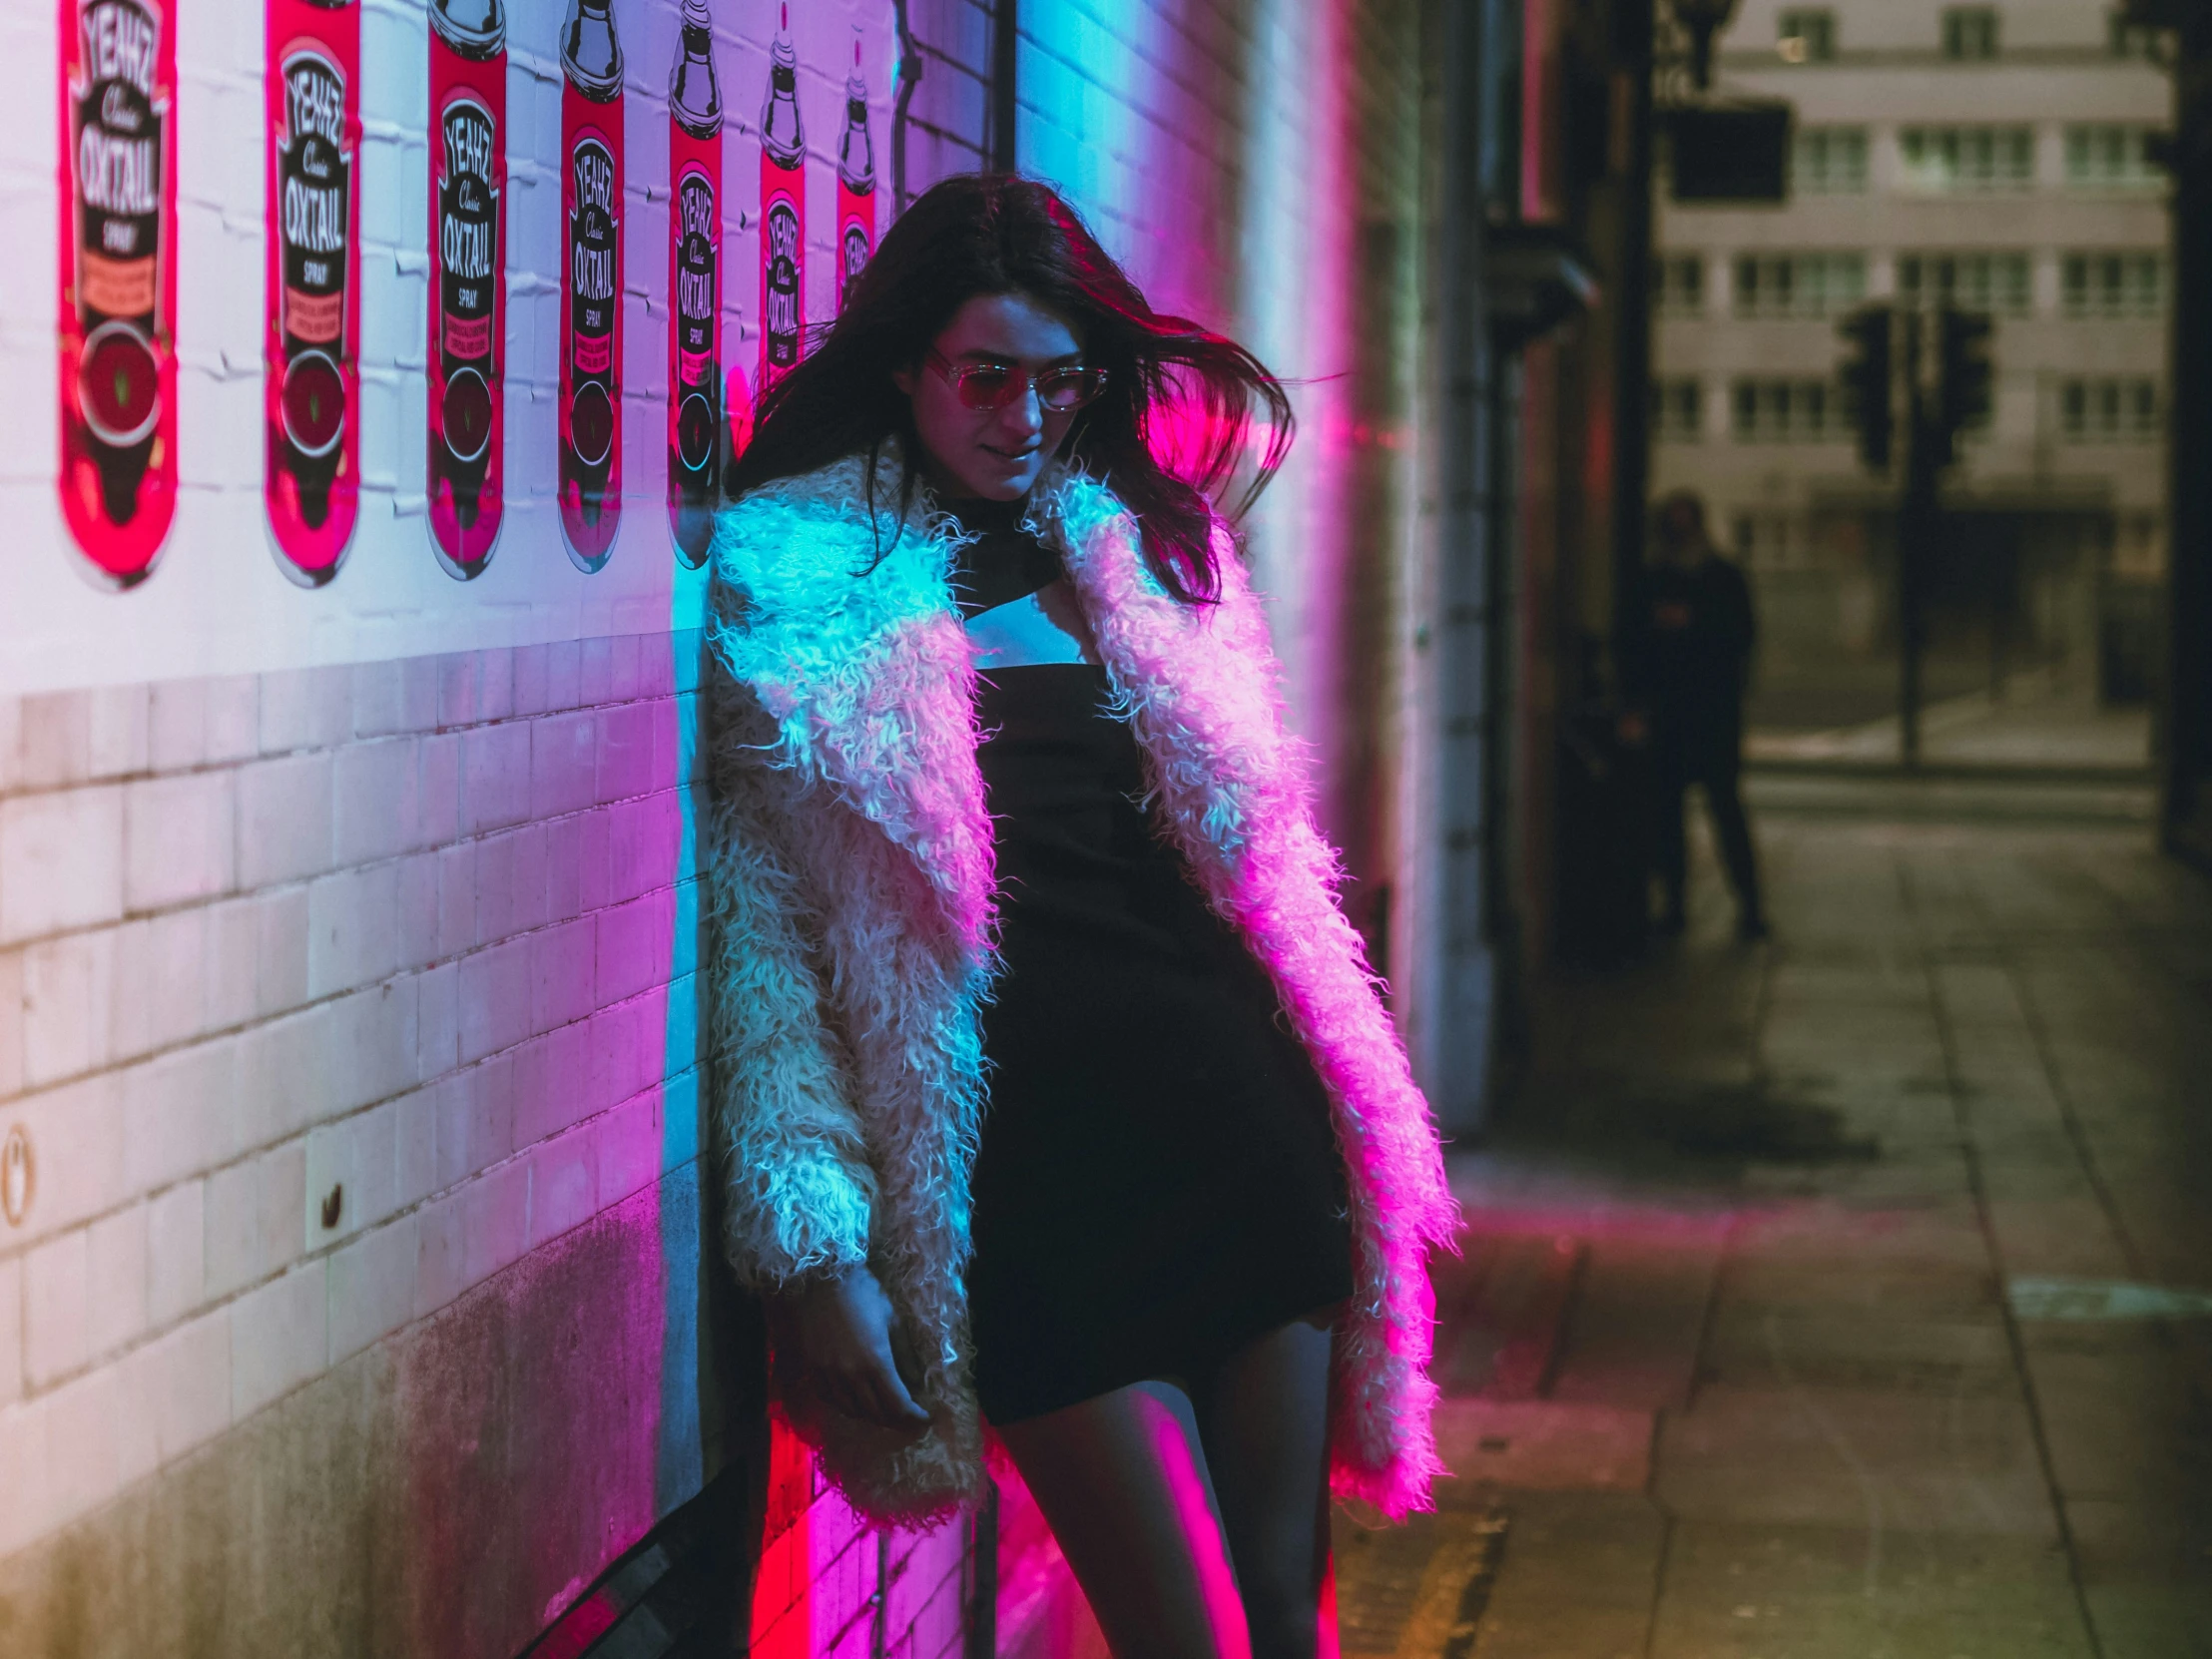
(273,956)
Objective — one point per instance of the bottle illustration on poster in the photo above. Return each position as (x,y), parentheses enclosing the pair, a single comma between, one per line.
(590,408)
(468,280)
(695,431)
(782,212)
(118,281)
(856,180)
(310,480)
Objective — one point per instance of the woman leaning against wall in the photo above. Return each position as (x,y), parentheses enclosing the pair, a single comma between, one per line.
(1052,1087)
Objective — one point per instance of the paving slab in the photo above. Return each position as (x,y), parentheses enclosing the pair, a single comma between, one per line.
(1632,1336)
(1770,1347)
(1853,1458)
(1813,1592)
(2124,1424)
(1544,1444)
(1577,1577)
(1869,1273)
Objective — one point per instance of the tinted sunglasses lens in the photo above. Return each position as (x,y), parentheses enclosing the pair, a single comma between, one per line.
(1068,388)
(985,389)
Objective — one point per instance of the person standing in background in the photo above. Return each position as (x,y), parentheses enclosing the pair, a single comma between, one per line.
(1690,637)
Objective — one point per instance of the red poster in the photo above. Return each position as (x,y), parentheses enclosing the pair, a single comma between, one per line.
(118,281)
(468,278)
(311,385)
(589,410)
(856,180)
(694,289)
(783,214)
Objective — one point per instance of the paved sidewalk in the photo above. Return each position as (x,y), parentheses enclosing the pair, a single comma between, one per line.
(2041,720)
(1842,1298)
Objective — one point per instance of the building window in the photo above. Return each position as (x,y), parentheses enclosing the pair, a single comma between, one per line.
(1806,36)
(1830,161)
(1969,33)
(2131,39)
(1799,284)
(2110,411)
(1677,410)
(2111,158)
(1785,411)
(1942,160)
(2000,284)
(1678,284)
(2113,284)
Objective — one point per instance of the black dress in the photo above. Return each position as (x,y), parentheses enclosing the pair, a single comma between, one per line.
(1158,1182)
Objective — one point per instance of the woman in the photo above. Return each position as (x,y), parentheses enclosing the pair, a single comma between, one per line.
(1051,1082)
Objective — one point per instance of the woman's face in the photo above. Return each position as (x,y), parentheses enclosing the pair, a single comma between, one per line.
(993,453)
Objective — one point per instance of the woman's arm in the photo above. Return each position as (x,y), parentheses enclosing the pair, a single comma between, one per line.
(800,1192)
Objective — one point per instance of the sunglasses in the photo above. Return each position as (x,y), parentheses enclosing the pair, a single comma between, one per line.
(995,385)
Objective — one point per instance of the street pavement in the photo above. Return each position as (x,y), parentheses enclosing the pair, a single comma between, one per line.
(2041,718)
(1846,1297)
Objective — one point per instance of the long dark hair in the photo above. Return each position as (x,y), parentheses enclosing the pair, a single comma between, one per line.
(1165,378)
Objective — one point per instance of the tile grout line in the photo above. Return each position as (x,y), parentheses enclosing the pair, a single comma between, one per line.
(2077,1137)
(1669,1525)
(2016,1344)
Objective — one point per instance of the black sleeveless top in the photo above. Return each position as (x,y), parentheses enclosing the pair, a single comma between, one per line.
(1158,1182)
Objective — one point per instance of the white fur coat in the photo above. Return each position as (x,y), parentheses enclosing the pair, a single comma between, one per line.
(847,854)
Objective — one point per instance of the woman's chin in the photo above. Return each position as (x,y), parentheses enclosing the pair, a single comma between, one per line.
(999,485)
(998,477)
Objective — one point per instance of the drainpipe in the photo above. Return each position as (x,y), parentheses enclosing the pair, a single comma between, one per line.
(1455,1027)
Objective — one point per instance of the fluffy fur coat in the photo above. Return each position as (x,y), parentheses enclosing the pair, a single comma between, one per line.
(849,878)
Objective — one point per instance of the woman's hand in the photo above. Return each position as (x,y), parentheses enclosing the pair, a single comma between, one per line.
(850,1349)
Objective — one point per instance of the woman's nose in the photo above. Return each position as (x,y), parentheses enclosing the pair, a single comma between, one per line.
(1025,415)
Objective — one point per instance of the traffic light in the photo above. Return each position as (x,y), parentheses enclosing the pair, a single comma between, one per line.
(1866,380)
(1962,389)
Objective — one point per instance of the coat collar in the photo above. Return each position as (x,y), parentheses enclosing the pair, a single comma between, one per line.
(865,665)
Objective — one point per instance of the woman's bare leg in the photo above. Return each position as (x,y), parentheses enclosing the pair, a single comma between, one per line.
(1123,1483)
(1264,1420)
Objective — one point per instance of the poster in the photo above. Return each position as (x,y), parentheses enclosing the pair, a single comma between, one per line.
(694,289)
(589,488)
(468,281)
(310,480)
(117,282)
(783,214)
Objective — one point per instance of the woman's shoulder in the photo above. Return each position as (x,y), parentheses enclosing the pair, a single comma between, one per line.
(811,560)
(796,533)
(834,494)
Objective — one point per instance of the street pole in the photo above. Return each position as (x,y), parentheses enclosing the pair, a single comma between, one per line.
(1917,518)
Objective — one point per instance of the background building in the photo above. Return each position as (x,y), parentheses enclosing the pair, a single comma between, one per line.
(1998,157)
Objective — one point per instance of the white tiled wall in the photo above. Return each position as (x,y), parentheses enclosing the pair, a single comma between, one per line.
(309,1034)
